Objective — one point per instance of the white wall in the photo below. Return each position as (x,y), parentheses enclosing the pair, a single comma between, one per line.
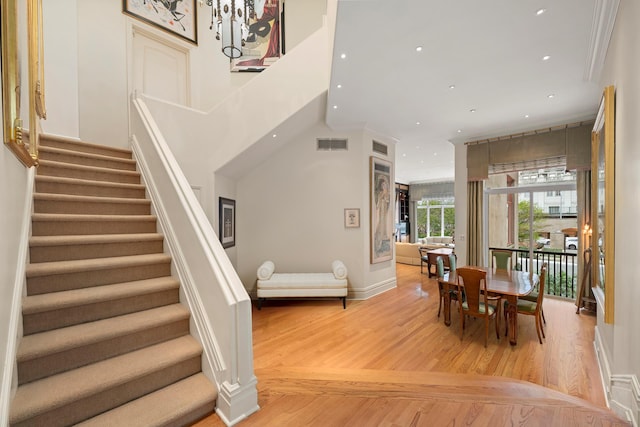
(622,68)
(290,209)
(13,187)
(61,68)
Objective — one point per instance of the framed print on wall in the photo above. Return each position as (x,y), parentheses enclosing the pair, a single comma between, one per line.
(178,17)
(264,43)
(381,215)
(227,222)
(352,218)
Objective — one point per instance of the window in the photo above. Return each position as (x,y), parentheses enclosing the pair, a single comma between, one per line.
(534,224)
(435,218)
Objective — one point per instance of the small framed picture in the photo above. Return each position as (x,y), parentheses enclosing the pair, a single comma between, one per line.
(227,222)
(352,218)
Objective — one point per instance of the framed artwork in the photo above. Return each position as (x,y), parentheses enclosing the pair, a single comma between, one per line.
(352,218)
(264,43)
(603,202)
(381,223)
(178,17)
(227,222)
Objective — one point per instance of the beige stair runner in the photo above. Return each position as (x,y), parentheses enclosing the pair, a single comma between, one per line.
(106,340)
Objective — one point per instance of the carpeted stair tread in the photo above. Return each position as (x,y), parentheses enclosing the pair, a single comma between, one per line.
(44,224)
(64,267)
(65,299)
(57,141)
(84,158)
(88,187)
(179,404)
(89,218)
(95,173)
(88,168)
(110,377)
(72,247)
(57,340)
(91,205)
(92,239)
(47,353)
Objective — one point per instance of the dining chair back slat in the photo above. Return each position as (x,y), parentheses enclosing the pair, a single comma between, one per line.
(474,282)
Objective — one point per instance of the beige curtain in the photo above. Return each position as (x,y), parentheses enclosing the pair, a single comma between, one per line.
(583,186)
(474,223)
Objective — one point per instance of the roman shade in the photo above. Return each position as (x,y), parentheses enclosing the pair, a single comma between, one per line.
(567,145)
(431,190)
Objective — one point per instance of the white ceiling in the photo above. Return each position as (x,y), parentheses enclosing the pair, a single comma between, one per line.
(491,50)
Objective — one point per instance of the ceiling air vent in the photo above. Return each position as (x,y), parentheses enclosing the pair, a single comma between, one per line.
(332,144)
(380,148)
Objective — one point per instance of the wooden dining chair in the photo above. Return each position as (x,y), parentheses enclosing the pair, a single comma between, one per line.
(533,308)
(502,260)
(443,286)
(476,302)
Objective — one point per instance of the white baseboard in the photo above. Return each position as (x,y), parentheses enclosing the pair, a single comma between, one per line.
(622,392)
(373,290)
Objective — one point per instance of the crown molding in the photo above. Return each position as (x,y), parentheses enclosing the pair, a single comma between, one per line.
(604,18)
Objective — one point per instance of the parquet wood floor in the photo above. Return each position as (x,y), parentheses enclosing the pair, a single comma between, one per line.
(390,361)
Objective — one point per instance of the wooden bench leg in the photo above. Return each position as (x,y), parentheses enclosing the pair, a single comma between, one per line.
(344,302)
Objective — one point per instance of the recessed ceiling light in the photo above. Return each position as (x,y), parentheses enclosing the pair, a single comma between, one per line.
(335,107)
(435,154)
(404,154)
(473,110)
(343,56)
(540,11)
(418,123)
(339,86)
(419,49)
(459,130)
(546,58)
(452,86)
(274,135)
(526,116)
(551,95)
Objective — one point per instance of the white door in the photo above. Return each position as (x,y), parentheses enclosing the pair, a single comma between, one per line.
(160,69)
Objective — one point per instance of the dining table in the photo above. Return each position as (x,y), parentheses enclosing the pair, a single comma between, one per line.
(509,286)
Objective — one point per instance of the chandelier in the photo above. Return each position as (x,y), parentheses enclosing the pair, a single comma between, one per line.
(230,19)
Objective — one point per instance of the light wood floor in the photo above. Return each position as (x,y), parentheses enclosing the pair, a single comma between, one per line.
(390,361)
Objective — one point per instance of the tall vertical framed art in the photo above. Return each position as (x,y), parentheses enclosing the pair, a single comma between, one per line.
(381,214)
(264,42)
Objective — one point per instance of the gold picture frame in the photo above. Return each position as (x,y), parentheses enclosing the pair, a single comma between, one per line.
(603,203)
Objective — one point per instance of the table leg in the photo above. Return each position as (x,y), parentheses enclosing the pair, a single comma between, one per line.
(447,306)
(512,318)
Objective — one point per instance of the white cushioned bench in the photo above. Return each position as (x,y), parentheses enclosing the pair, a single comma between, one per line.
(289,285)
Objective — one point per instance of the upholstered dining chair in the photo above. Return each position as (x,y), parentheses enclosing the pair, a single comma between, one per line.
(533,308)
(502,260)
(476,302)
(443,287)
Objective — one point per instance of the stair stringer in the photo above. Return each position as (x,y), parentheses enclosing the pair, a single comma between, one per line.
(9,369)
(219,303)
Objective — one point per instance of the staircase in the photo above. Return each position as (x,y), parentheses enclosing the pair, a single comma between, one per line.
(106,340)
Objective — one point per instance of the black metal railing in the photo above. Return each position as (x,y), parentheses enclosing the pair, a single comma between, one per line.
(562,269)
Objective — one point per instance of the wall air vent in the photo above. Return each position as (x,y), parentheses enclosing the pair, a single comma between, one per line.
(332,144)
(380,148)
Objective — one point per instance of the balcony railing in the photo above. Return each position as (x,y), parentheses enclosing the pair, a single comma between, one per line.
(562,270)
